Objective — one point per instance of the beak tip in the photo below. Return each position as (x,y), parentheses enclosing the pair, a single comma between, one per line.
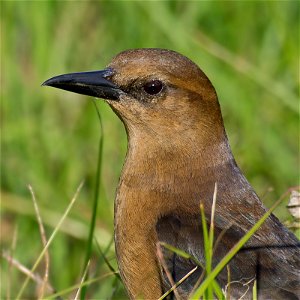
(49,82)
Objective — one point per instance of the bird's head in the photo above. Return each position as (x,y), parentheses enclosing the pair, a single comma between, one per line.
(154,92)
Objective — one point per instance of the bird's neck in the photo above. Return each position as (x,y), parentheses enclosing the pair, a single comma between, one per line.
(162,173)
(167,157)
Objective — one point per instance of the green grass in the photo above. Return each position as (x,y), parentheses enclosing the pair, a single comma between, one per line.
(50,138)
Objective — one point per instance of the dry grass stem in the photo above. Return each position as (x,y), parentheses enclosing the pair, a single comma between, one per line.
(50,240)
(165,267)
(219,238)
(178,283)
(247,284)
(213,207)
(79,285)
(35,277)
(227,292)
(72,227)
(82,281)
(9,271)
(42,287)
(197,283)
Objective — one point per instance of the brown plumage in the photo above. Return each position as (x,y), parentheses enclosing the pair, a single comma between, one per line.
(177,151)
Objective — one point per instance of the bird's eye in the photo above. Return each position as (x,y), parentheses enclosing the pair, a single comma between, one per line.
(153,87)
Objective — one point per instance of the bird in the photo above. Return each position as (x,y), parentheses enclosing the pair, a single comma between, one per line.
(178,152)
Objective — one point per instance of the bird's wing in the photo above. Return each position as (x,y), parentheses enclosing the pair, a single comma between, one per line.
(272,267)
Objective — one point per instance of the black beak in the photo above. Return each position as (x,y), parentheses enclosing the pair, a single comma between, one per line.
(87,83)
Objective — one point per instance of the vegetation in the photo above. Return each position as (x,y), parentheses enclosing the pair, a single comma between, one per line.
(50,138)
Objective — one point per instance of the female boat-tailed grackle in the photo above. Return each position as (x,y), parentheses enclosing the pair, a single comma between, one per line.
(177,151)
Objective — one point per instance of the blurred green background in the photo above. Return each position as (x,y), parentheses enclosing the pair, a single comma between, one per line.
(49,138)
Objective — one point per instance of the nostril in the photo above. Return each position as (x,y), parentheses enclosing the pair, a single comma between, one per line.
(153,87)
